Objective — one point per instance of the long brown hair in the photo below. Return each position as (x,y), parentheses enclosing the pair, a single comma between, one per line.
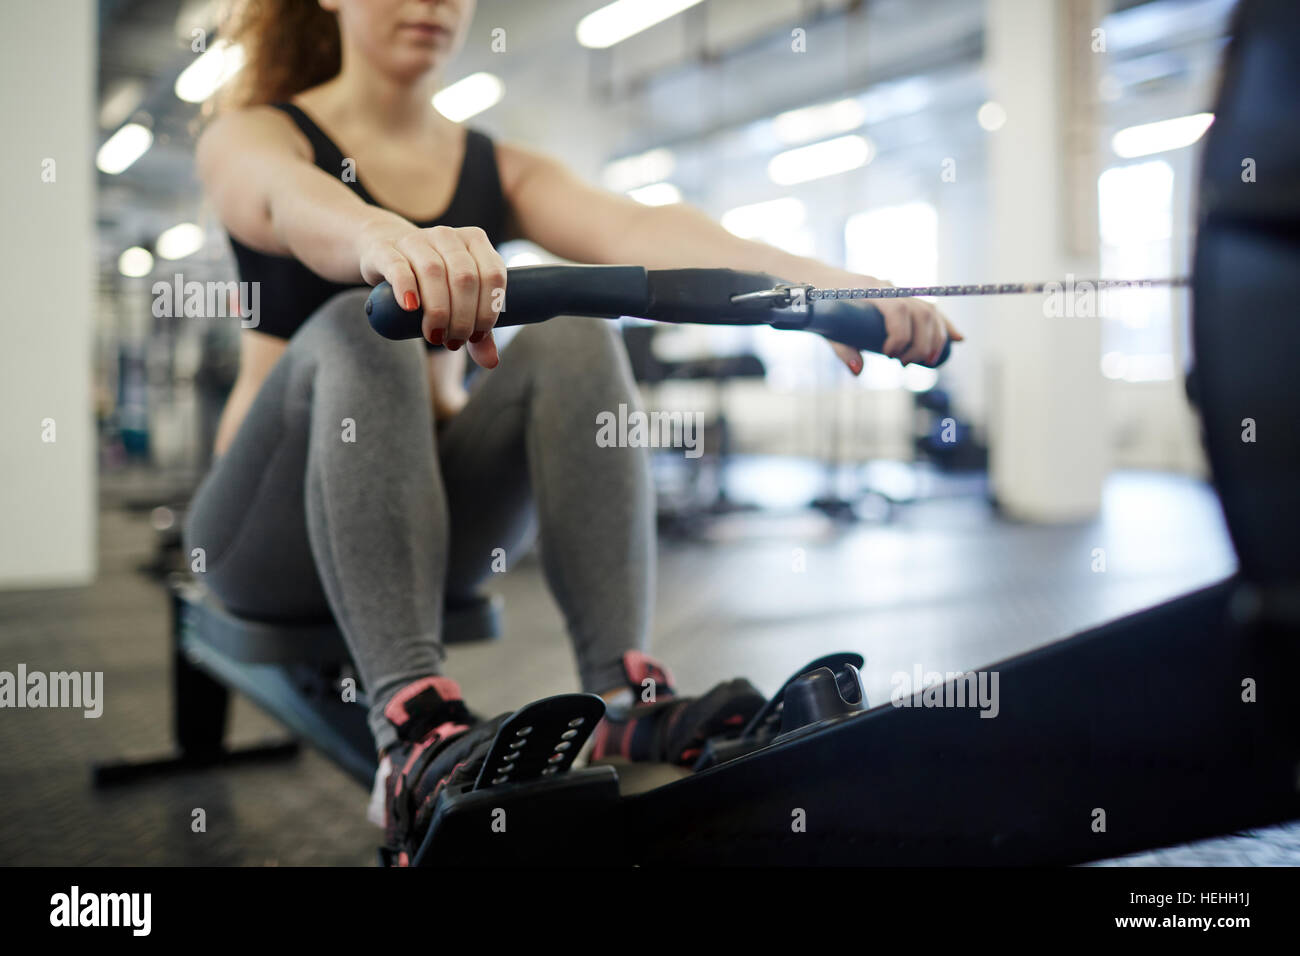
(289,46)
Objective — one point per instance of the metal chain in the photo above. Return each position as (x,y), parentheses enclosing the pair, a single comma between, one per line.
(1006,288)
(783,296)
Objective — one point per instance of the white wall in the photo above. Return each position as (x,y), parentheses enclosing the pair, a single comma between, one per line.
(47,488)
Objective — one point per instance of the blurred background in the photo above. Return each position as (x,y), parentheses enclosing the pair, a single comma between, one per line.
(1047,478)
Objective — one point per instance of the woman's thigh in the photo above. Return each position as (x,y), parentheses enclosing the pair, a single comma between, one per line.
(248,516)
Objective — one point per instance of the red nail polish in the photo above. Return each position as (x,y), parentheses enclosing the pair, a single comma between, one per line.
(478,337)
(411,303)
(436,337)
(454,344)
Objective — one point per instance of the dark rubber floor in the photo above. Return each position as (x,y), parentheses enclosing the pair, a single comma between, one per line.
(944,586)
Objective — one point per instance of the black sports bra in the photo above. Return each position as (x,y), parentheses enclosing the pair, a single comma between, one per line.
(290,292)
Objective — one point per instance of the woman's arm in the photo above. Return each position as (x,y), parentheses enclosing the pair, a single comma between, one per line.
(554,208)
(256,168)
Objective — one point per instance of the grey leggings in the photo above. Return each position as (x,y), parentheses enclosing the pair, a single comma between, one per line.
(333,499)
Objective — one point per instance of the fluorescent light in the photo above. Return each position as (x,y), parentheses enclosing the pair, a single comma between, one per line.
(135,262)
(1158,137)
(820,160)
(469,97)
(180,241)
(657,194)
(617,21)
(639,170)
(992,116)
(756,219)
(206,75)
(123,148)
(818,122)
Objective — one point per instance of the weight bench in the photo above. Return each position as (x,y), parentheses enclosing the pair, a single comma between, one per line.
(293,670)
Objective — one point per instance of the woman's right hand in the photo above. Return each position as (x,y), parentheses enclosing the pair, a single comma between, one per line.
(453,274)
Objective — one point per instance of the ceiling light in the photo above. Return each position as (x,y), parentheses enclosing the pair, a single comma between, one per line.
(617,21)
(469,97)
(1158,137)
(818,122)
(205,76)
(819,160)
(992,116)
(135,262)
(123,148)
(180,241)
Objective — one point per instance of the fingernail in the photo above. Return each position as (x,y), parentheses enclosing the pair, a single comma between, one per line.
(436,337)
(478,337)
(454,344)
(411,303)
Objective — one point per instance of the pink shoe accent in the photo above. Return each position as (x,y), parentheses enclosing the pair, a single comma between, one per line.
(601,738)
(445,687)
(639,665)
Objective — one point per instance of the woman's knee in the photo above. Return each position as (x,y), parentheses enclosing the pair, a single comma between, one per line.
(573,344)
(338,332)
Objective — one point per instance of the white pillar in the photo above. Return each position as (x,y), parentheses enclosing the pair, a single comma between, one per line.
(1048,417)
(47,488)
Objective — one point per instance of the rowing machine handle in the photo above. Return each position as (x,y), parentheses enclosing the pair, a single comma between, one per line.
(855,322)
(534,294)
(540,292)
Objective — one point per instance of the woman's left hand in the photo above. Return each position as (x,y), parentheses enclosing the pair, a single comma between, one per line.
(916,330)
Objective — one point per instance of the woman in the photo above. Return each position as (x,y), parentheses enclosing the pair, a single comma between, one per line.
(357,476)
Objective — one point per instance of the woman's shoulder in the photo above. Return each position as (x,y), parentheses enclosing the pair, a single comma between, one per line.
(262,124)
(516,162)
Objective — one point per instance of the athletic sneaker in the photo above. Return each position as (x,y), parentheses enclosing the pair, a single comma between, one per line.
(669,728)
(439,743)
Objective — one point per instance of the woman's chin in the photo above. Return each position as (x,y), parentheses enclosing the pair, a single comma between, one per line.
(414,63)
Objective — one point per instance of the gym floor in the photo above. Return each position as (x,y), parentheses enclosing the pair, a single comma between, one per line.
(945,586)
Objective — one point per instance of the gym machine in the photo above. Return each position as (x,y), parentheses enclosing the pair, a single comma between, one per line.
(1168,725)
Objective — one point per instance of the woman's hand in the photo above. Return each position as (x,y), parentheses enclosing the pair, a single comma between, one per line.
(453,274)
(916,330)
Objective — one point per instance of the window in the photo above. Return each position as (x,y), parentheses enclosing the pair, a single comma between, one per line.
(1136,225)
(899,244)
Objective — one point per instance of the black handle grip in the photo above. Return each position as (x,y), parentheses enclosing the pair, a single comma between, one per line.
(541,292)
(856,323)
(534,294)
